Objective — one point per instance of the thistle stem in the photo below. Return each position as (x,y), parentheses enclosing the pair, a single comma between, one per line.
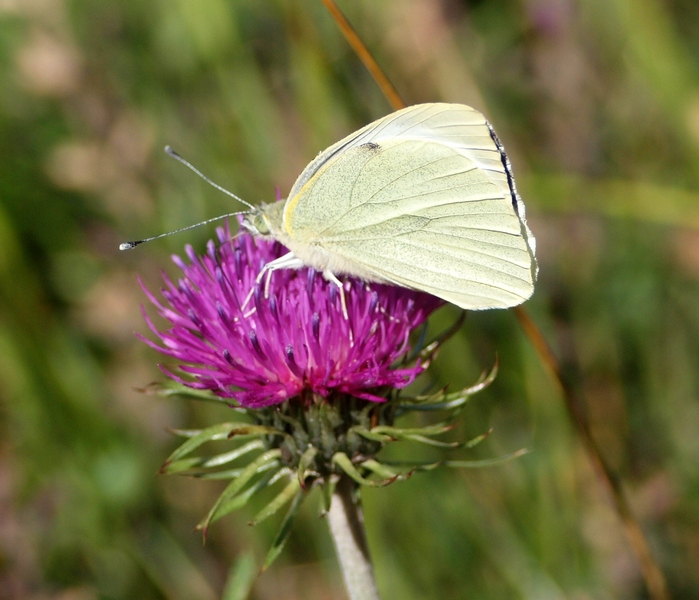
(347,530)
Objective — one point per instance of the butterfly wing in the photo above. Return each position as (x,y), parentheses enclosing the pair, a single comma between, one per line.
(455,125)
(421,199)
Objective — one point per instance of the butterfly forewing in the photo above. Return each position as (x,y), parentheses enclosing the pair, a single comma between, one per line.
(455,125)
(421,198)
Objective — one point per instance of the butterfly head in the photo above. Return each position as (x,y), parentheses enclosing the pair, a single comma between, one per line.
(256,222)
(264,220)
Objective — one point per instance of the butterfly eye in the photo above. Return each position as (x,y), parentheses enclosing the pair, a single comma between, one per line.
(261,224)
(256,223)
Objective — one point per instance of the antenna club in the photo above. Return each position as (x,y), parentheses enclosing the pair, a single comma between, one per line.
(128,245)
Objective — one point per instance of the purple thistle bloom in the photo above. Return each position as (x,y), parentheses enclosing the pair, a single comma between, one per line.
(295,342)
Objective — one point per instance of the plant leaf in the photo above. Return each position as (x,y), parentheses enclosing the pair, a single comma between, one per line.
(237,502)
(343,461)
(221,431)
(381,469)
(303,471)
(280,500)
(232,490)
(370,435)
(284,531)
(395,432)
(453,400)
(209,462)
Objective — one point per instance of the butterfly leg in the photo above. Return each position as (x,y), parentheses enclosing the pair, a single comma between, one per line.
(330,276)
(288,261)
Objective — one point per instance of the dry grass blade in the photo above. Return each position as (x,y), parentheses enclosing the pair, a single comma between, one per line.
(384,83)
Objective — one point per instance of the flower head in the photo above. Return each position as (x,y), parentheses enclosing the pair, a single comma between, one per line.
(291,341)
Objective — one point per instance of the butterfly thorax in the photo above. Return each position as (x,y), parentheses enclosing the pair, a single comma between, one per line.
(266,221)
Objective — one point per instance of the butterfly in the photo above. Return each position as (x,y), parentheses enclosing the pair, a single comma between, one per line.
(422,198)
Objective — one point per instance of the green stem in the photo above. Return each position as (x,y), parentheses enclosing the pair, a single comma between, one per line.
(347,529)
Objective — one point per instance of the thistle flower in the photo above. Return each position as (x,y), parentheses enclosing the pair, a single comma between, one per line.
(317,386)
(292,340)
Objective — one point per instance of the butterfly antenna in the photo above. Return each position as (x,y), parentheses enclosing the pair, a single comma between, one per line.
(130,245)
(186,163)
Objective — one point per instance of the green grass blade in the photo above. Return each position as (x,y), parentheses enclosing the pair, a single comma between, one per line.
(241,577)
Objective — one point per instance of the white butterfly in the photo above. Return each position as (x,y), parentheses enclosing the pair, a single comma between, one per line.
(423,198)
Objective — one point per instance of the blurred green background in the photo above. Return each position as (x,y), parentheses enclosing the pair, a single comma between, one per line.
(597,103)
